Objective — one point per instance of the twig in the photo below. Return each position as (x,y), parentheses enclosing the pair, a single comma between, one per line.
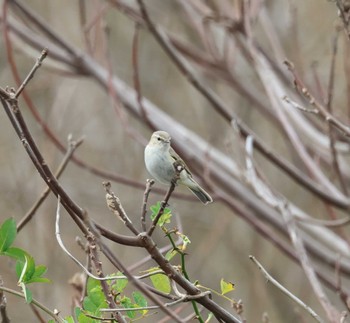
(325,223)
(37,314)
(343,12)
(149,184)
(331,135)
(3,303)
(136,79)
(285,290)
(72,146)
(116,207)
(331,312)
(32,72)
(328,117)
(182,298)
(162,208)
(54,315)
(299,107)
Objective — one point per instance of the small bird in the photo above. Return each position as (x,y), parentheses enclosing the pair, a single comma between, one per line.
(160,160)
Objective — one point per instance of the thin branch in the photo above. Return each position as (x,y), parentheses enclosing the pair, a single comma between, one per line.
(53,314)
(149,184)
(299,107)
(328,117)
(72,146)
(3,303)
(32,72)
(116,207)
(183,298)
(136,78)
(162,208)
(332,138)
(305,262)
(285,290)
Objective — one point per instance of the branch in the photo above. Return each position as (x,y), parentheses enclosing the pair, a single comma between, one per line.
(285,290)
(116,207)
(72,146)
(53,314)
(331,311)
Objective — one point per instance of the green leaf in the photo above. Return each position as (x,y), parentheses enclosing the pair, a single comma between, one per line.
(8,232)
(126,302)
(94,302)
(36,277)
(82,318)
(38,280)
(226,287)
(185,239)
(40,270)
(119,285)
(92,284)
(68,319)
(16,253)
(25,269)
(165,217)
(140,301)
(77,311)
(170,254)
(27,293)
(161,282)
(95,299)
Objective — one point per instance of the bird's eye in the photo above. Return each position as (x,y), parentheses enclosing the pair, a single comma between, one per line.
(158,138)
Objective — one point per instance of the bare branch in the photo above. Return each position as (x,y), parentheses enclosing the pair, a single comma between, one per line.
(285,290)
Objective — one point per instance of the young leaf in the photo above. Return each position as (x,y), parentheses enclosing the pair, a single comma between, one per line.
(82,318)
(8,233)
(170,254)
(226,286)
(119,285)
(139,299)
(25,269)
(16,253)
(126,302)
(95,299)
(36,277)
(161,282)
(165,218)
(27,293)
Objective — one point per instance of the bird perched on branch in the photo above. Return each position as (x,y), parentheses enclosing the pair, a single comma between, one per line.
(164,164)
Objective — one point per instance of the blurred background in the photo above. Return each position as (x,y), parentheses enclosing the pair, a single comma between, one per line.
(72,103)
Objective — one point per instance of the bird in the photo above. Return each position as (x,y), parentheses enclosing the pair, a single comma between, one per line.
(161,160)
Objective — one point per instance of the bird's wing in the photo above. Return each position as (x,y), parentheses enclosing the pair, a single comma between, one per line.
(178,159)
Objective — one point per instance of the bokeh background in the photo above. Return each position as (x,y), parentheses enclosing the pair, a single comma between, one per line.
(78,105)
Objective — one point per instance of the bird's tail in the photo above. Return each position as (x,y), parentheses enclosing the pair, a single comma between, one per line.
(202,195)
